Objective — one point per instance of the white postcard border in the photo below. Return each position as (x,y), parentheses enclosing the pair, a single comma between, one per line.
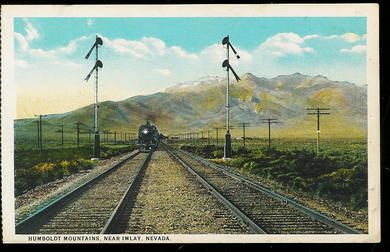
(8,105)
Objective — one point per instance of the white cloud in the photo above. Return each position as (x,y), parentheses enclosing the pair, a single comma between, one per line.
(163,72)
(178,51)
(155,44)
(357,49)
(52,53)
(285,43)
(23,43)
(136,49)
(311,36)
(216,54)
(32,32)
(351,37)
(331,37)
(90,22)
(57,56)
(147,47)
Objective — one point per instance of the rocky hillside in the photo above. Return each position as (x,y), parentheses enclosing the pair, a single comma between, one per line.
(199,105)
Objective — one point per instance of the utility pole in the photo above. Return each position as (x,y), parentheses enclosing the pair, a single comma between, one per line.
(38,135)
(208,137)
(62,134)
(260,134)
(269,121)
(228,145)
(243,125)
(318,111)
(217,134)
(98,63)
(40,141)
(78,134)
(106,135)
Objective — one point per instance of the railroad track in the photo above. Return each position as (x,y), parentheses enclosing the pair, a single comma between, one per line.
(147,193)
(91,207)
(263,210)
(167,199)
(142,194)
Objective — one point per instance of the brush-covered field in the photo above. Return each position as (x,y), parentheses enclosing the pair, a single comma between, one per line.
(33,167)
(338,173)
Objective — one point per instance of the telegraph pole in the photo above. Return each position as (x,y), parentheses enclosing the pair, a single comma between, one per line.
(243,125)
(269,121)
(208,137)
(217,134)
(38,135)
(318,111)
(40,141)
(62,134)
(78,134)
(228,145)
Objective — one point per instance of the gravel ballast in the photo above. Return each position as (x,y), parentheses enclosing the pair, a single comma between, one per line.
(171,200)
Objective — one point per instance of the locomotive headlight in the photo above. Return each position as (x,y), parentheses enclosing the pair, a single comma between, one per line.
(145,131)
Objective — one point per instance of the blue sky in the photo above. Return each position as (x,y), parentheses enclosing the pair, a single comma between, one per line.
(146,55)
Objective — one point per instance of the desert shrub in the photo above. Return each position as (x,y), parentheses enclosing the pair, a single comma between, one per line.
(218,153)
(85,164)
(65,165)
(242,151)
(45,172)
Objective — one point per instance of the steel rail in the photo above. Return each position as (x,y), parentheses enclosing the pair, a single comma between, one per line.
(112,223)
(236,212)
(34,221)
(306,210)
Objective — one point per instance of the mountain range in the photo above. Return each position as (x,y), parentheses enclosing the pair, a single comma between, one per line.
(199,105)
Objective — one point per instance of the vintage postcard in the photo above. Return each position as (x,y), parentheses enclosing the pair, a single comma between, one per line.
(190,123)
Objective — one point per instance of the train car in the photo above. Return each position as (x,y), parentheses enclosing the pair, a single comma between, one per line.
(148,137)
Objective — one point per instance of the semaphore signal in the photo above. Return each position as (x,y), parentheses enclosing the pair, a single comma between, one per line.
(228,145)
(98,64)
(318,111)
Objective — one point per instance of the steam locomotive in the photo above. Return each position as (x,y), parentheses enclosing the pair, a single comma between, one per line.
(148,137)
